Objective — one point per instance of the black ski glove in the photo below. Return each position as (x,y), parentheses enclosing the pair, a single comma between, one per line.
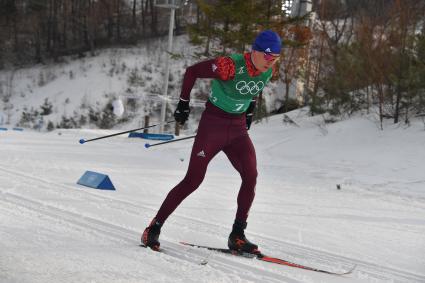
(250,114)
(182,112)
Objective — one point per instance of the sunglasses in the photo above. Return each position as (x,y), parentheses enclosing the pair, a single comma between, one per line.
(270,58)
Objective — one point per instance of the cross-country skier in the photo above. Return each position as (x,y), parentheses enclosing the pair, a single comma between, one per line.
(237,81)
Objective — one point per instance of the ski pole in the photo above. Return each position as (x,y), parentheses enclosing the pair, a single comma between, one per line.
(82,141)
(147,145)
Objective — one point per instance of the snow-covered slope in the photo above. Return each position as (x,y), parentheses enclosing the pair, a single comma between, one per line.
(53,230)
(134,75)
(78,83)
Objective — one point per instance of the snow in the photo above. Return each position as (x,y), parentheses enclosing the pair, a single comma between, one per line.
(53,230)
(118,107)
(111,75)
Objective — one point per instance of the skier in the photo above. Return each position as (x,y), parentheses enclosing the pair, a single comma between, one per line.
(237,81)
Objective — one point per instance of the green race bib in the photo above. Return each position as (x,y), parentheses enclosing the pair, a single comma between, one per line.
(234,96)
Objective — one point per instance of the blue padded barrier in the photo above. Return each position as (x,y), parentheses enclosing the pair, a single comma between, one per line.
(96,180)
(163,137)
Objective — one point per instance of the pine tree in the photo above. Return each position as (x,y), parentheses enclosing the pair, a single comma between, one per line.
(233,24)
(50,126)
(108,118)
(46,107)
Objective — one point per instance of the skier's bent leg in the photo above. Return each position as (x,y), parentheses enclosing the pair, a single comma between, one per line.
(190,183)
(202,152)
(187,186)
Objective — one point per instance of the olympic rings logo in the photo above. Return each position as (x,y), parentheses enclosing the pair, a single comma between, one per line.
(251,87)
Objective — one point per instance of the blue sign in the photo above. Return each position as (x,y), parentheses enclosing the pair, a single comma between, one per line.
(96,180)
(162,137)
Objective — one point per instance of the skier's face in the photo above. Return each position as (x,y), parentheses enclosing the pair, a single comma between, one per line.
(263,61)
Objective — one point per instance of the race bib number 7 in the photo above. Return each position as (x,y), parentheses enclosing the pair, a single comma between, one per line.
(238,107)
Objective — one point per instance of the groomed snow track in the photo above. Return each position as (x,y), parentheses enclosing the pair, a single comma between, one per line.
(242,268)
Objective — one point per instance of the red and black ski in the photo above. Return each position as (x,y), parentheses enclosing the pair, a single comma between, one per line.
(266,258)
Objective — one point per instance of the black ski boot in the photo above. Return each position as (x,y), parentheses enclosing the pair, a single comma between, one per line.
(238,242)
(151,234)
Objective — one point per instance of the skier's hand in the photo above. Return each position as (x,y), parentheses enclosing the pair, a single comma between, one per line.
(182,112)
(250,114)
(249,120)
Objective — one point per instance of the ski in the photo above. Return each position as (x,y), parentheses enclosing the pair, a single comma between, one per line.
(266,258)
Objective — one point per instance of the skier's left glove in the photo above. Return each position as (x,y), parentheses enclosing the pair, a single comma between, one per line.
(250,114)
(182,112)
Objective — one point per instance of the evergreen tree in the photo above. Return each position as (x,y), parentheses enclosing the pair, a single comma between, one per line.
(67,123)
(50,126)
(232,25)
(93,115)
(46,107)
(108,118)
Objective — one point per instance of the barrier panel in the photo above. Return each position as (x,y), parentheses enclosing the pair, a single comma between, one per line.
(96,180)
(162,137)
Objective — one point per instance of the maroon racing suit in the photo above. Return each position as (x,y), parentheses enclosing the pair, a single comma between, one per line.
(217,131)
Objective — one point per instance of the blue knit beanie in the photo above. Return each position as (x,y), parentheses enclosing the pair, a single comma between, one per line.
(267,41)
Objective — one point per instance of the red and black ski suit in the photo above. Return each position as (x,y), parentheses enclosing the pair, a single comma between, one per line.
(217,131)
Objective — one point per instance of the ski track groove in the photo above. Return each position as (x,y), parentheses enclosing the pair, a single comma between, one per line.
(113,231)
(364,268)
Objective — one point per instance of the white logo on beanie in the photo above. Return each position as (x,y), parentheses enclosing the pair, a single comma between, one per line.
(268,50)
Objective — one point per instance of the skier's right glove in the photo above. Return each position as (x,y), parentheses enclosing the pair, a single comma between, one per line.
(182,112)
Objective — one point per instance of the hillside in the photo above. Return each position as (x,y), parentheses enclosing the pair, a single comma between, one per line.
(80,88)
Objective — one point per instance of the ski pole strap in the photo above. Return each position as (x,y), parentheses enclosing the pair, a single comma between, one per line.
(147,145)
(120,133)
